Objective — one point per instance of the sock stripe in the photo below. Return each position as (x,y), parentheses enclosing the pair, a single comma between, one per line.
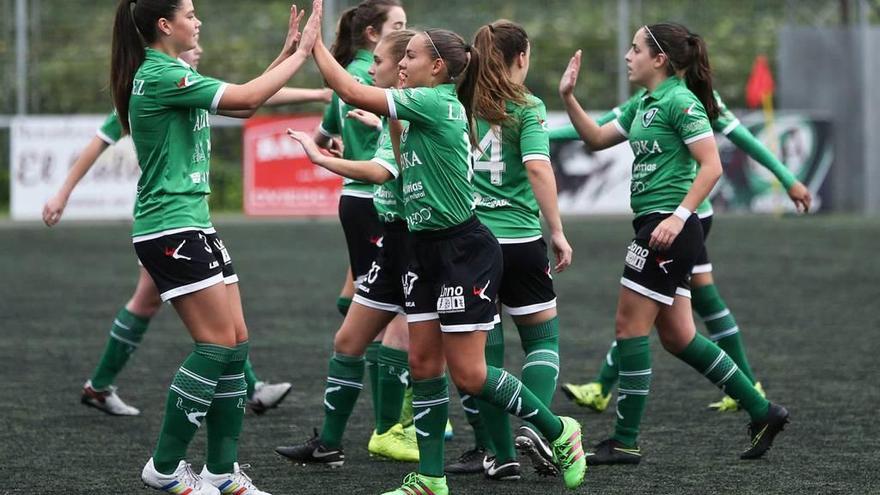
(120,324)
(345,383)
(717,316)
(715,337)
(627,391)
(232,377)
(197,378)
(728,375)
(714,364)
(543,351)
(514,396)
(124,340)
(541,363)
(501,381)
(189,396)
(225,395)
(635,373)
(429,403)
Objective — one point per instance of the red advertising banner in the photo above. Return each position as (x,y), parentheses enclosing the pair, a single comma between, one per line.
(278,177)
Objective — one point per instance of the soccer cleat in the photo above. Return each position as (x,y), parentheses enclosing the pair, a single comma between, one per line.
(470,462)
(106,400)
(763,432)
(313,451)
(395,444)
(509,471)
(568,453)
(448,433)
(417,484)
(611,451)
(267,396)
(588,395)
(530,444)
(727,404)
(183,481)
(234,483)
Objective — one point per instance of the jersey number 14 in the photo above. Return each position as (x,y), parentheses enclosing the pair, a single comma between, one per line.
(490,147)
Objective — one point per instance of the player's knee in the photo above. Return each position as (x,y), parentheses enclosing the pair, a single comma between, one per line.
(470,379)
(424,365)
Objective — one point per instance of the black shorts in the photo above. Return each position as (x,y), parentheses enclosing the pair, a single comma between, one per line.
(382,288)
(363,233)
(454,276)
(527,283)
(185,262)
(662,275)
(703,265)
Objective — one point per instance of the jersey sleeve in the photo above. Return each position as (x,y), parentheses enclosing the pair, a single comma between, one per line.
(688,117)
(625,118)
(385,153)
(330,123)
(416,105)
(111,130)
(726,121)
(183,87)
(534,137)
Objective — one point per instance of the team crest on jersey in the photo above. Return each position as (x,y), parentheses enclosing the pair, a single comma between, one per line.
(648,117)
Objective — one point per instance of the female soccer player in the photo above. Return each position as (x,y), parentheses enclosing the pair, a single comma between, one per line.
(707,301)
(164,106)
(134,317)
(360,30)
(453,276)
(514,183)
(676,165)
(379,298)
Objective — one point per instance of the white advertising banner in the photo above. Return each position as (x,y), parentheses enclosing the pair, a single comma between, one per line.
(43,148)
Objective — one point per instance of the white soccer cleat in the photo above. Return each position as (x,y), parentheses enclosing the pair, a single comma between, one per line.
(106,400)
(234,483)
(182,480)
(267,396)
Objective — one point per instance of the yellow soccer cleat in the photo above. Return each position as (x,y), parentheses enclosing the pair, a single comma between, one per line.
(588,395)
(727,404)
(395,444)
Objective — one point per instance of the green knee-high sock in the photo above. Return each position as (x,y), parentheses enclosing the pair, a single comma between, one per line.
(345,378)
(430,412)
(342,305)
(372,363)
(476,418)
(125,335)
(495,419)
(250,378)
(607,377)
(634,356)
(393,380)
(707,358)
(506,391)
(189,399)
(540,370)
(226,414)
(721,325)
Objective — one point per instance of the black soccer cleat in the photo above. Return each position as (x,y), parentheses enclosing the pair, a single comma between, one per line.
(530,444)
(611,451)
(470,462)
(509,471)
(312,451)
(763,432)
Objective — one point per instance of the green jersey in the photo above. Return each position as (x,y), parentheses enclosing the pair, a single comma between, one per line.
(434,157)
(503,195)
(659,129)
(168,114)
(360,141)
(111,130)
(388,197)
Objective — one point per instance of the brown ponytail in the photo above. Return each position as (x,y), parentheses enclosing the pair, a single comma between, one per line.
(351,33)
(133,27)
(499,44)
(687,52)
(462,63)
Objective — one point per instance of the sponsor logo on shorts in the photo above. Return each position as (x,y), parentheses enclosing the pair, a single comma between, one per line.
(636,256)
(175,253)
(481,291)
(373,274)
(451,300)
(662,264)
(223,251)
(408,280)
(377,240)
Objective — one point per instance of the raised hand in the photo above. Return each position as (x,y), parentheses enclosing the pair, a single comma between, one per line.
(801,197)
(311,148)
(293,34)
(312,32)
(570,76)
(364,117)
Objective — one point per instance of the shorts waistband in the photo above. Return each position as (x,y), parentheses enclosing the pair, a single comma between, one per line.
(456,230)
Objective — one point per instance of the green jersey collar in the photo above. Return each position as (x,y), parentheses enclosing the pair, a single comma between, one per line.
(663,88)
(363,55)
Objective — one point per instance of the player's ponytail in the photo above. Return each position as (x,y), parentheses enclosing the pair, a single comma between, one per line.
(462,68)
(687,53)
(133,27)
(499,45)
(351,32)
